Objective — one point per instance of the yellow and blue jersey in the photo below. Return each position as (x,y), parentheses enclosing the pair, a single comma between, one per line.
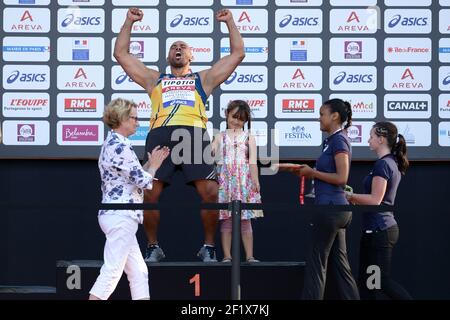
(178,101)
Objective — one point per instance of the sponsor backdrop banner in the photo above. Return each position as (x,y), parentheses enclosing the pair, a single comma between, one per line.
(389,58)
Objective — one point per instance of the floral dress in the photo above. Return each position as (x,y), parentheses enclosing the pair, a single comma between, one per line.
(235,182)
(123,178)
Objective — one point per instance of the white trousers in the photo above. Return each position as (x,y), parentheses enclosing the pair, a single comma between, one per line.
(121,253)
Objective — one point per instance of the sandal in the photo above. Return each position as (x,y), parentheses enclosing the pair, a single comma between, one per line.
(252,260)
(225,260)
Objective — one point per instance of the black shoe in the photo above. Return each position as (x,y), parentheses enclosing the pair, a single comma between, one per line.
(207,254)
(154,254)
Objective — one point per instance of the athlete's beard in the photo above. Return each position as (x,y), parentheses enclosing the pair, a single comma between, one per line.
(178,64)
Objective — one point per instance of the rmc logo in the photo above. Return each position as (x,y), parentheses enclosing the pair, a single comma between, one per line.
(245,78)
(189,21)
(299,21)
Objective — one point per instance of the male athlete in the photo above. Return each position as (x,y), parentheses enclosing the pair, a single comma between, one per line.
(178,103)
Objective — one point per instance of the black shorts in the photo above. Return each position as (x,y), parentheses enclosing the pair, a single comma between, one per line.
(190,152)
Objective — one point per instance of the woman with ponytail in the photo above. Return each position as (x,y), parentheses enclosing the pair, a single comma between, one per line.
(328,228)
(380,230)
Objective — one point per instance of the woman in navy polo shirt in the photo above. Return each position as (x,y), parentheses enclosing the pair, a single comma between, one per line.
(328,228)
(380,230)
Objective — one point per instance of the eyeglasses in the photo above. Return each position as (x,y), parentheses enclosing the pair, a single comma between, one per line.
(135,118)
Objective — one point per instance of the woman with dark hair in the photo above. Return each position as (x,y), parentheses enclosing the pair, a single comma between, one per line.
(328,228)
(380,230)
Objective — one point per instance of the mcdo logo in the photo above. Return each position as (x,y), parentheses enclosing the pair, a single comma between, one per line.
(26,77)
(407,21)
(352,78)
(189,21)
(80,21)
(298,21)
(245,78)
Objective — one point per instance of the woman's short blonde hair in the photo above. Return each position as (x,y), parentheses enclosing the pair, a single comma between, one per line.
(117,111)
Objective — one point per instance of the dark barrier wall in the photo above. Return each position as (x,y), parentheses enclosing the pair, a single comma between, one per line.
(32,239)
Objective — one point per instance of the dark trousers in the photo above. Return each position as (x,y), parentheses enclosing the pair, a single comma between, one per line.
(376,249)
(327,232)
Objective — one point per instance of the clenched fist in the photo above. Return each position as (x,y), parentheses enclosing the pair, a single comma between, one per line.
(135,14)
(224,15)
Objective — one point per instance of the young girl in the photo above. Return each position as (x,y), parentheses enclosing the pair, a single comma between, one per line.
(380,230)
(237,170)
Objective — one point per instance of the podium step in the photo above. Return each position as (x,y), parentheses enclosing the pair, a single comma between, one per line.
(190,280)
(27,293)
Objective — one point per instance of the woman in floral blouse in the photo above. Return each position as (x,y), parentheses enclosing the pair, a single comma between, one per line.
(123,181)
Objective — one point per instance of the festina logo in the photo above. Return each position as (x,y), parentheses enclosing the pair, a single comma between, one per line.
(407,105)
